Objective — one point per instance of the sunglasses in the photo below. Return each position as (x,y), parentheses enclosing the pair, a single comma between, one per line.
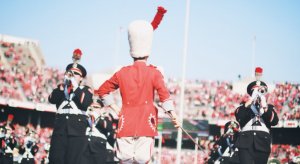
(76,73)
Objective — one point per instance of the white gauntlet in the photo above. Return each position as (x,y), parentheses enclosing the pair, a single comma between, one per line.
(255,94)
(263,101)
(74,83)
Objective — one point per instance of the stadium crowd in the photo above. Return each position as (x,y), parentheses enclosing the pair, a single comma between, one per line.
(22,80)
(34,139)
(205,99)
(283,153)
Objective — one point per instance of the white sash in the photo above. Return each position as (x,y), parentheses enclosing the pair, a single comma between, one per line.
(95,132)
(249,127)
(73,110)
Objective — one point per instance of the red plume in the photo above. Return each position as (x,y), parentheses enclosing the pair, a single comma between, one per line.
(77,51)
(10,118)
(258,70)
(158,17)
(77,54)
(258,73)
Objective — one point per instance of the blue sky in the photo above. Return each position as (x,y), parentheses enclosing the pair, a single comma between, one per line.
(220,34)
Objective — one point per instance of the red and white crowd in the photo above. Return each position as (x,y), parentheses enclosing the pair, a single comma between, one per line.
(20,79)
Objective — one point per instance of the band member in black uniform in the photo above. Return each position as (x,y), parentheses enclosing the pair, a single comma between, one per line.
(111,157)
(224,149)
(8,143)
(29,148)
(255,118)
(72,100)
(99,134)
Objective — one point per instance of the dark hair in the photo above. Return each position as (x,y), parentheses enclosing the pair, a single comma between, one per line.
(140,58)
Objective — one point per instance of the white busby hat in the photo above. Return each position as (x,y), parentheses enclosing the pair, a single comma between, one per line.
(140,36)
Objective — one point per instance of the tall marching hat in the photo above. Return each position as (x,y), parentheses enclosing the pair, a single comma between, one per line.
(140,34)
(75,67)
(258,83)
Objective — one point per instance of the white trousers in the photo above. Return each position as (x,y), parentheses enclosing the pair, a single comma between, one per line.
(135,149)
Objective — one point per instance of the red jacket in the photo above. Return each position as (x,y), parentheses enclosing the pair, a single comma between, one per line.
(137,84)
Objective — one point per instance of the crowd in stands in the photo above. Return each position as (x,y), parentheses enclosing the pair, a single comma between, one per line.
(286,153)
(21,79)
(41,138)
(216,100)
(8,85)
(283,153)
(286,98)
(37,85)
(207,99)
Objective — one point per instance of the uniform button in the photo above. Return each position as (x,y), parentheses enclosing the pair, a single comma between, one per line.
(127,102)
(89,139)
(254,133)
(67,117)
(146,102)
(79,119)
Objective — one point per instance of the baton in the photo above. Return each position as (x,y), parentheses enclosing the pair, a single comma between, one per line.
(189,136)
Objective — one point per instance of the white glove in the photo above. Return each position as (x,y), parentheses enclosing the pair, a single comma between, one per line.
(255,94)
(66,78)
(74,83)
(94,113)
(253,97)
(229,131)
(263,101)
(263,104)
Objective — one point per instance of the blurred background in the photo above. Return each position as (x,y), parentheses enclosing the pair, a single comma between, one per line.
(225,41)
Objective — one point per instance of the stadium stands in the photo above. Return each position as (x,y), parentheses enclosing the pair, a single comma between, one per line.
(24,78)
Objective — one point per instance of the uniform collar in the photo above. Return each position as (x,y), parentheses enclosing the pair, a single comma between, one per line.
(139,63)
